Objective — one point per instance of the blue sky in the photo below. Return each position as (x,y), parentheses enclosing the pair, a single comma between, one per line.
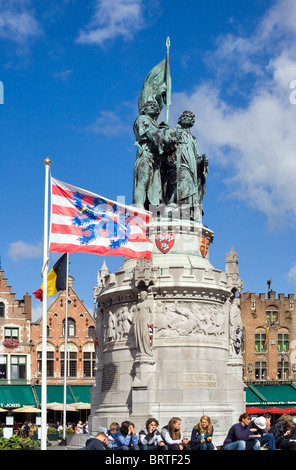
(72,71)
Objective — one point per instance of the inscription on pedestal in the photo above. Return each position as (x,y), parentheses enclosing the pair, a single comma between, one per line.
(198,381)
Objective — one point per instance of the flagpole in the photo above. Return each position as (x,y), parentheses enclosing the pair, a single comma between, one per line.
(47,163)
(168,90)
(65,350)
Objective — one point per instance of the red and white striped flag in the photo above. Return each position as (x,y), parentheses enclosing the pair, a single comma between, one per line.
(150,327)
(82,221)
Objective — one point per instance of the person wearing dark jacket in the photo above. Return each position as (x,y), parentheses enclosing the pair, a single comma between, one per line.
(265,437)
(99,442)
(238,437)
(284,433)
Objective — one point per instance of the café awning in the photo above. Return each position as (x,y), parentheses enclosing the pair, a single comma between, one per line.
(16,396)
(264,396)
(75,393)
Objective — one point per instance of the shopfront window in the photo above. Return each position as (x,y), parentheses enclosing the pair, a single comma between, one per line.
(18,368)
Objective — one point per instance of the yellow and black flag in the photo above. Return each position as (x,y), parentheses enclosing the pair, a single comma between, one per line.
(56,279)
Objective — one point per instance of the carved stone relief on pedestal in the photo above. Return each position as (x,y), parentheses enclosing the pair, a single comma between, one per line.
(189,319)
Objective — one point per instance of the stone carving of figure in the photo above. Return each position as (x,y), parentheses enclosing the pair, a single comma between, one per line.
(125,319)
(152,145)
(236,325)
(111,327)
(183,321)
(189,319)
(143,318)
(186,169)
(215,325)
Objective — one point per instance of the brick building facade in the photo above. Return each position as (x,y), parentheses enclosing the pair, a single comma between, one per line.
(15,335)
(269,337)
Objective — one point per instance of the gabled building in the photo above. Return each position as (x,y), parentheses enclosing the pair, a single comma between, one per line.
(15,320)
(21,347)
(80,344)
(15,348)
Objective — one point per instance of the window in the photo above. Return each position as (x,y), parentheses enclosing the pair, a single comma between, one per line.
(89,362)
(91,331)
(71,364)
(50,363)
(18,367)
(260,339)
(71,327)
(283,342)
(261,370)
(2,310)
(3,367)
(271,316)
(283,369)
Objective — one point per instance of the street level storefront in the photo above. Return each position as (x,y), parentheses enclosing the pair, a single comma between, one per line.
(16,396)
(75,393)
(276,398)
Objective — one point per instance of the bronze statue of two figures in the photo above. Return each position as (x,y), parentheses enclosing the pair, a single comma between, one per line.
(169,172)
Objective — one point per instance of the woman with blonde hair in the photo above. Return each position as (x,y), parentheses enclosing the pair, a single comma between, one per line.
(202,435)
(173,436)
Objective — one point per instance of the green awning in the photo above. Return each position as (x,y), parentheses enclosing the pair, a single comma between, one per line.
(15,396)
(74,394)
(271,395)
(55,393)
(252,398)
(81,393)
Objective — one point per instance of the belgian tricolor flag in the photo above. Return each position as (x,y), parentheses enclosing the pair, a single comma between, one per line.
(56,279)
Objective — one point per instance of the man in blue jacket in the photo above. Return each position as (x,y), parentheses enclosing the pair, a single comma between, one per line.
(126,437)
(239,435)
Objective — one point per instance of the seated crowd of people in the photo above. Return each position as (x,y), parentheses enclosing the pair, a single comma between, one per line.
(247,434)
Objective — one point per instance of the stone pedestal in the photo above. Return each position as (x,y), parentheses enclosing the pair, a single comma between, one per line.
(192,369)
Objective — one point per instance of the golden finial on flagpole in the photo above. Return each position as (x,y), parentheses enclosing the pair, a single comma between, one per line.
(47,161)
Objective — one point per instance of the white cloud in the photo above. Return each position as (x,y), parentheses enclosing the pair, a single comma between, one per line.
(275,31)
(19,249)
(17,22)
(254,141)
(109,123)
(292,274)
(64,75)
(113,18)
